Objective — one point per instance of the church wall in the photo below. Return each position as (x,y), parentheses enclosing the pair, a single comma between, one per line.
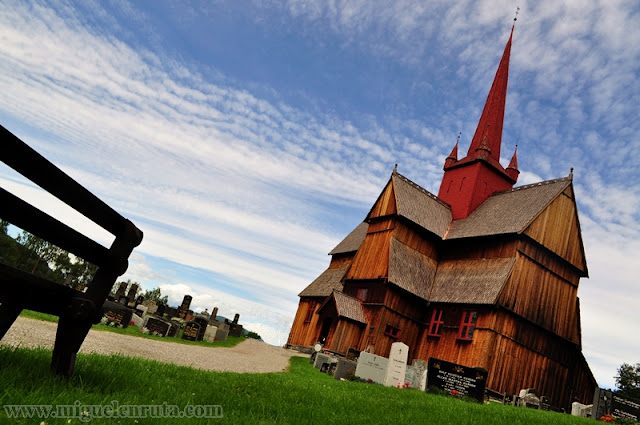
(372,259)
(386,204)
(542,297)
(347,335)
(412,236)
(557,229)
(305,334)
(477,248)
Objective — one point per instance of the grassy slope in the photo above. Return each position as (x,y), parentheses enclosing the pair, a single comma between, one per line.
(300,396)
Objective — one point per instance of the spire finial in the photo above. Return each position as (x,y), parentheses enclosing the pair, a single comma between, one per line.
(395,169)
(458,140)
(517,11)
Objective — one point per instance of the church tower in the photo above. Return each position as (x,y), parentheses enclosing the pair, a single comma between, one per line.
(468,182)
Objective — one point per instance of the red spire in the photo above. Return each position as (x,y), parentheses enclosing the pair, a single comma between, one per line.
(488,135)
(512,169)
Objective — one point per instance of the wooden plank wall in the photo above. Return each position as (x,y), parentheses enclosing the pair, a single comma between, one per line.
(418,239)
(542,297)
(557,229)
(347,335)
(386,204)
(301,333)
(372,259)
(477,248)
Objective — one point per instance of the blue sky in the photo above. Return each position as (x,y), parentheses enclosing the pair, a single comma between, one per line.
(246,139)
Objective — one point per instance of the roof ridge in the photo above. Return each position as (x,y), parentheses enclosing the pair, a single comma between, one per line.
(421,189)
(531,185)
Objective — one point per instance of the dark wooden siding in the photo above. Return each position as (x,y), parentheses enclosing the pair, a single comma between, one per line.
(304,334)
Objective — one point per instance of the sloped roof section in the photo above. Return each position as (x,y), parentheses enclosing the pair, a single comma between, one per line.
(349,307)
(510,211)
(471,281)
(411,270)
(421,206)
(328,281)
(353,240)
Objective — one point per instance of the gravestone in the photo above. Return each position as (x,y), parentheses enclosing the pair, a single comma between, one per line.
(222,333)
(212,319)
(139,301)
(321,359)
(352,354)
(154,324)
(173,329)
(345,369)
(530,398)
(161,310)
(120,293)
(235,329)
(457,379)
(416,374)
(203,322)
(509,399)
(137,321)
(117,313)
(184,307)
(210,333)
(607,402)
(372,367)
(131,295)
(141,310)
(397,365)
(191,331)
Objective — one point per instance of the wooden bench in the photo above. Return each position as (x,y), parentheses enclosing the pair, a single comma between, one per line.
(19,290)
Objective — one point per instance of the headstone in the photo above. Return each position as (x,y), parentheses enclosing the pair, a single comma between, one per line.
(139,300)
(173,329)
(159,326)
(509,399)
(121,291)
(235,329)
(415,374)
(137,321)
(352,354)
(210,333)
(141,310)
(222,334)
(607,402)
(131,295)
(161,310)
(236,318)
(184,307)
(345,369)
(397,365)
(214,314)
(203,322)
(372,367)
(530,398)
(321,359)
(457,379)
(191,331)
(152,307)
(117,313)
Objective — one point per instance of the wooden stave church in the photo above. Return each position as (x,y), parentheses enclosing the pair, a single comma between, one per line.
(485,276)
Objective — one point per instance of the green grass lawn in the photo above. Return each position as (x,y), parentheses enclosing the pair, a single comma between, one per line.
(298,396)
(131,330)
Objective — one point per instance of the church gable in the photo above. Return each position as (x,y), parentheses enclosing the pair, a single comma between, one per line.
(372,259)
(557,228)
(386,203)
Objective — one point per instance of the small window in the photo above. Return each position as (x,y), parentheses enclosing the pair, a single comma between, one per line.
(467,325)
(312,309)
(362,294)
(436,321)
(392,332)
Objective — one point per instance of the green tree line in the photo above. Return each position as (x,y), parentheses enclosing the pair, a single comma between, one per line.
(31,254)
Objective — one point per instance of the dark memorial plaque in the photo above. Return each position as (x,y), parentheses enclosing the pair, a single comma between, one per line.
(191,331)
(117,313)
(625,407)
(203,322)
(157,325)
(457,379)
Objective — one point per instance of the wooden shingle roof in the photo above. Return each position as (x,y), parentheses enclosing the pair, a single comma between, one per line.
(349,307)
(421,206)
(411,270)
(328,281)
(477,281)
(510,211)
(353,240)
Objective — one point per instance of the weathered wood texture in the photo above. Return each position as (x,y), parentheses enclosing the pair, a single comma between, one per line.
(372,259)
(305,334)
(347,334)
(542,297)
(386,203)
(516,353)
(558,229)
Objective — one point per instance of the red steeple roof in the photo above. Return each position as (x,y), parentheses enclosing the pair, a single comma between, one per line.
(488,135)
(468,182)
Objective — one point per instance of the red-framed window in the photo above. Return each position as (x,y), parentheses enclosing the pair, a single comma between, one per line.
(436,321)
(362,294)
(392,332)
(312,309)
(467,325)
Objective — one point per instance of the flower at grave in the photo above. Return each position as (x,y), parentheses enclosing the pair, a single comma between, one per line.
(608,418)
(132,323)
(455,393)
(104,321)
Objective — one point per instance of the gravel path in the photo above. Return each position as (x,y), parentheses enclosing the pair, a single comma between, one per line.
(249,356)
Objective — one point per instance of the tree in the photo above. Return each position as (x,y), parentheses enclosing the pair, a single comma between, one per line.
(628,380)
(254,335)
(156,295)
